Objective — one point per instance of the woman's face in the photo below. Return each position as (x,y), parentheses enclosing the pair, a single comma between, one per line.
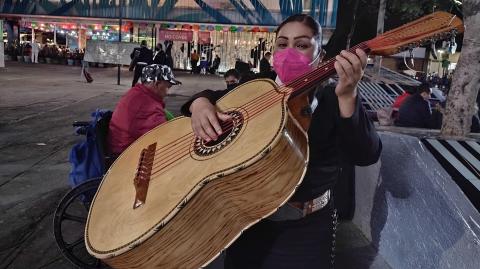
(298,36)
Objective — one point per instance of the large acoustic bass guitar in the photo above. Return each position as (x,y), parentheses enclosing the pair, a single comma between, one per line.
(172,200)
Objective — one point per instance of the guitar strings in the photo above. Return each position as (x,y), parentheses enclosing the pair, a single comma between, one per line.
(179,146)
(297,83)
(251,108)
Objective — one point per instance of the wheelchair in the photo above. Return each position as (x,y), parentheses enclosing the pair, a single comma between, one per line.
(71,213)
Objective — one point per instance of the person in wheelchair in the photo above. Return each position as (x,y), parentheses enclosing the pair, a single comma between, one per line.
(141,109)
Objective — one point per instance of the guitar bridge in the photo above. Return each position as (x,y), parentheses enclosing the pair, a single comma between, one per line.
(142,177)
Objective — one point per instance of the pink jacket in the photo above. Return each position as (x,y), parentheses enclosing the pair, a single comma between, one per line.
(138,111)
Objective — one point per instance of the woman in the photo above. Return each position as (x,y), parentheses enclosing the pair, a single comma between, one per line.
(299,236)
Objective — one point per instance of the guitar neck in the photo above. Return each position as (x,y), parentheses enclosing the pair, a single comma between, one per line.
(308,81)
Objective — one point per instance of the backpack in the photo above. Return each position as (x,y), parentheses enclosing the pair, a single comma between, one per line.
(88,157)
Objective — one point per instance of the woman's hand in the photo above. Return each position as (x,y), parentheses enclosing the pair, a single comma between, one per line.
(349,67)
(205,117)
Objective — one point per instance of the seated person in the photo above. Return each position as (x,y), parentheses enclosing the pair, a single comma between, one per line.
(232,79)
(399,100)
(141,109)
(415,110)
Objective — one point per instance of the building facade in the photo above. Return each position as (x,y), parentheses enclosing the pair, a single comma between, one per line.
(232,29)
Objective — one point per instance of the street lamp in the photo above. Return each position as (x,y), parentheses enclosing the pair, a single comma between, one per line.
(120,6)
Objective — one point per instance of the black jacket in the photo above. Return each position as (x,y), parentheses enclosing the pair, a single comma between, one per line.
(265,66)
(145,55)
(332,140)
(159,57)
(415,112)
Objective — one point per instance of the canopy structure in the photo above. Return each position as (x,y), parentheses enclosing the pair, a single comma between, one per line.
(243,12)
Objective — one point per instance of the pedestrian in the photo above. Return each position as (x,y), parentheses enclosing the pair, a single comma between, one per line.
(203,65)
(215,65)
(159,57)
(35,51)
(141,57)
(300,235)
(265,66)
(168,53)
(194,61)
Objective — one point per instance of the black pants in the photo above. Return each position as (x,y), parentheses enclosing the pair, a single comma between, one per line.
(194,66)
(137,73)
(306,243)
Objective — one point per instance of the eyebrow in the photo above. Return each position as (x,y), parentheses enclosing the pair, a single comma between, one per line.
(297,37)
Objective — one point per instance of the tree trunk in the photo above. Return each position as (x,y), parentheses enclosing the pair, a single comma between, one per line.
(466,80)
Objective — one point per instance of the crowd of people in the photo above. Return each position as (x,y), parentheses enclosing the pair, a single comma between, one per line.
(39,53)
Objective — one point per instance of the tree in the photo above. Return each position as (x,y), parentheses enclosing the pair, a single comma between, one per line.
(466,80)
(397,12)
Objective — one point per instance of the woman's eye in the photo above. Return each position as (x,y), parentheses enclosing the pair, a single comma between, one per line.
(302,46)
(282,45)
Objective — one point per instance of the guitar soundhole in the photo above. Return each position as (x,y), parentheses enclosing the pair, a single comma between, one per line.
(230,128)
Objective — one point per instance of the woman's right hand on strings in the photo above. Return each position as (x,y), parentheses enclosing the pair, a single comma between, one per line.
(205,119)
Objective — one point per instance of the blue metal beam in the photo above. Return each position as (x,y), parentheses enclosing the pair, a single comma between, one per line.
(252,14)
(212,12)
(64,8)
(333,22)
(242,10)
(297,6)
(7,6)
(166,8)
(21,6)
(286,8)
(263,12)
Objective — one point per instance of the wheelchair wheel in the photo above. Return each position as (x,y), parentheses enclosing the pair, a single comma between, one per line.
(69,225)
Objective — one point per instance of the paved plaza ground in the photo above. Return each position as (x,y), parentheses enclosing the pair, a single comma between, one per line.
(38,103)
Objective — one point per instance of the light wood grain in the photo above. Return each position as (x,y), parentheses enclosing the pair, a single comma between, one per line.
(199,205)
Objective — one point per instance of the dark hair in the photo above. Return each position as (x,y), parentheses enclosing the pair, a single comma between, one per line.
(308,21)
(143,43)
(232,72)
(268,53)
(425,87)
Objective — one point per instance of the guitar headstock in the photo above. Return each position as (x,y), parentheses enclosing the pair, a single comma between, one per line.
(436,26)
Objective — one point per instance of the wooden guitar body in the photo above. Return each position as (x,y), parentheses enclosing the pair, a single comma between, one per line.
(199,202)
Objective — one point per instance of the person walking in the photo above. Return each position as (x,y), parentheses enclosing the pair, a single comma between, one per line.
(141,57)
(159,57)
(194,57)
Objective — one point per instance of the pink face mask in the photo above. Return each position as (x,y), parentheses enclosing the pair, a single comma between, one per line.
(289,64)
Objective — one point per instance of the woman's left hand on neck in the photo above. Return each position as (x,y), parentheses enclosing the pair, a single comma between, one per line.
(350,69)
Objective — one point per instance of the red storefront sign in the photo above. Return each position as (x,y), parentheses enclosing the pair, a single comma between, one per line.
(204,38)
(179,35)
